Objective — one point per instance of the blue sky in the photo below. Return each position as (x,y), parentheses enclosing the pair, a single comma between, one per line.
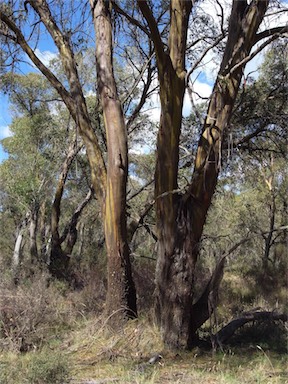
(5,120)
(45,53)
(203,81)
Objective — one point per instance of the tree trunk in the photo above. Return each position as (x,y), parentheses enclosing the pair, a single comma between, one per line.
(33,227)
(272,212)
(59,260)
(269,237)
(174,269)
(45,232)
(18,248)
(121,290)
(121,295)
(181,217)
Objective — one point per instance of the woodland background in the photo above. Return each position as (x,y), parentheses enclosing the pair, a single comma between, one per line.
(57,322)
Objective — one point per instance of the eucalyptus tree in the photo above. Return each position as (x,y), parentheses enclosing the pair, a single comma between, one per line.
(27,173)
(20,24)
(261,113)
(181,215)
(33,183)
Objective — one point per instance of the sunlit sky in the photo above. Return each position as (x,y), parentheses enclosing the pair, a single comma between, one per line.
(203,80)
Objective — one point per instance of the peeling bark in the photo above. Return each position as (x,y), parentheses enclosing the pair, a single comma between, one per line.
(121,294)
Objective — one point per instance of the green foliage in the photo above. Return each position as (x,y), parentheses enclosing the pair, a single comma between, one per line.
(48,369)
(27,93)
(44,367)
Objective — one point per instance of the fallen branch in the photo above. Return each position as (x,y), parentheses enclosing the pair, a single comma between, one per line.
(228,331)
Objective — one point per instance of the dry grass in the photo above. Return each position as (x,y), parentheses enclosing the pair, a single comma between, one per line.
(96,354)
(69,342)
(103,355)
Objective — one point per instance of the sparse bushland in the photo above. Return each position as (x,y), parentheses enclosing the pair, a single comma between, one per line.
(51,334)
(235,193)
(93,353)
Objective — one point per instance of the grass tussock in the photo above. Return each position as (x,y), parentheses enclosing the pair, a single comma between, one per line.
(52,334)
(44,367)
(96,353)
(99,353)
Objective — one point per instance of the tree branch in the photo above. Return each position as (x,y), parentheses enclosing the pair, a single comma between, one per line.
(155,34)
(220,38)
(254,53)
(70,231)
(136,82)
(130,18)
(20,39)
(269,32)
(228,331)
(140,190)
(208,301)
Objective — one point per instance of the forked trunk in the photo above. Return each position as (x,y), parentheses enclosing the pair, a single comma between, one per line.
(59,260)
(181,217)
(176,244)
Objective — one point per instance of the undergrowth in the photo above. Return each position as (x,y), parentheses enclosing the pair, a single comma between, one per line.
(50,334)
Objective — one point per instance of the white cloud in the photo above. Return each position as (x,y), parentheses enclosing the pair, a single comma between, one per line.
(45,56)
(5,132)
(201,92)
(203,78)
(210,63)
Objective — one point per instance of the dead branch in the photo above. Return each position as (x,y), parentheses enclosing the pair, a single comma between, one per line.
(228,331)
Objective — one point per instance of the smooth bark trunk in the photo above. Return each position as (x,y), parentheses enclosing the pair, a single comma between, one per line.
(18,249)
(121,294)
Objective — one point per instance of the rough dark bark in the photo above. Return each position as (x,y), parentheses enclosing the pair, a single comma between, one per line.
(121,293)
(173,298)
(244,22)
(181,216)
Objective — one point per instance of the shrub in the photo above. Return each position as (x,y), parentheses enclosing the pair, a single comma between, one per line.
(45,367)
(48,368)
(32,314)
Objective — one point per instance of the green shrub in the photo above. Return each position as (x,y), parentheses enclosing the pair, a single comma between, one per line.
(45,367)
